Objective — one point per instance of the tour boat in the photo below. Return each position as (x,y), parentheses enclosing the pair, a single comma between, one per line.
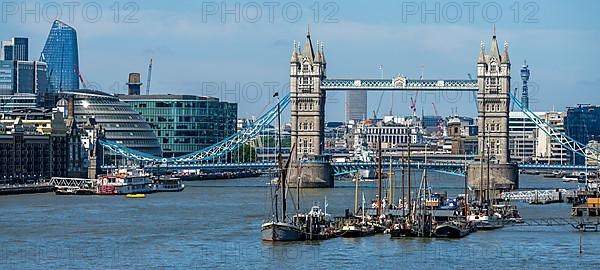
(124,181)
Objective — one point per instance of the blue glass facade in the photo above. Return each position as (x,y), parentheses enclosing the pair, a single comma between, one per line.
(6,77)
(583,124)
(62,56)
(185,123)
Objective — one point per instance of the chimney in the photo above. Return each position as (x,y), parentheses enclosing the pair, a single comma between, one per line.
(134,84)
(71,107)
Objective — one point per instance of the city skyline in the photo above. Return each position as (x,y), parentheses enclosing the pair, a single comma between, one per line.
(196,52)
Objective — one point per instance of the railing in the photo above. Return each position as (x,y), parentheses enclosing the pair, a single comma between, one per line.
(399,83)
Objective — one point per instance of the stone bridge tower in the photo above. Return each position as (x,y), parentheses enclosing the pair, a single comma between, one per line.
(307,70)
(493,103)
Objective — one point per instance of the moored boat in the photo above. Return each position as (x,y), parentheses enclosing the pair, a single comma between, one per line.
(357,230)
(124,181)
(453,229)
(281,231)
(170,184)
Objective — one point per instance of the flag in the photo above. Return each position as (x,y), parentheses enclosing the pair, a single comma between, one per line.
(276,94)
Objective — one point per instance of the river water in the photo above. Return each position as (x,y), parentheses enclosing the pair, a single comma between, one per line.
(216,224)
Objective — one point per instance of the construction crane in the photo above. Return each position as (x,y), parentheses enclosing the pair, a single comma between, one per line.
(375,112)
(80,76)
(149,78)
(413,102)
(440,131)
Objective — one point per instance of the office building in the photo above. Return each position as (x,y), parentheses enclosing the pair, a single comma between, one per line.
(62,56)
(185,123)
(395,132)
(22,84)
(529,144)
(119,122)
(24,77)
(356,105)
(547,150)
(33,145)
(522,135)
(15,49)
(583,125)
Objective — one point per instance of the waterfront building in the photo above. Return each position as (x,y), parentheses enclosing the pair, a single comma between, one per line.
(393,131)
(548,150)
(522,137)
(336,135)
(595,156)
(185,123)
(33,145)
(583,125)
(62,55)
(15,49)
(356,105)
(528,144)
(119,122)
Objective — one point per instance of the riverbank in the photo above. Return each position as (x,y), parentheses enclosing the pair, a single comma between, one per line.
(25,188)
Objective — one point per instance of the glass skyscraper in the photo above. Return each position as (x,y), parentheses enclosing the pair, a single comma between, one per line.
(583,125)
(16,49)
(185,123)
(62,56)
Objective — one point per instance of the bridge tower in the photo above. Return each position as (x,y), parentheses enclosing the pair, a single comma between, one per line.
(493,103)
(307,70)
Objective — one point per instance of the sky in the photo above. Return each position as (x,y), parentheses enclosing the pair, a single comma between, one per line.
(239,51)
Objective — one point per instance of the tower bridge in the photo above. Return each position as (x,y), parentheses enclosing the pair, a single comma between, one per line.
(308,91)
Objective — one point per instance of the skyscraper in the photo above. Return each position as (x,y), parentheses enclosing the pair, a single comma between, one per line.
(356,105)
(583,125)
(16,49)
(62,56)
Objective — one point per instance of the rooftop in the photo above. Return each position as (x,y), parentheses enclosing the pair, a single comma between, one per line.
(166,97)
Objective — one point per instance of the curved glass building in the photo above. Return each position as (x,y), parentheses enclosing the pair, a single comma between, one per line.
(121,123)
(62,56)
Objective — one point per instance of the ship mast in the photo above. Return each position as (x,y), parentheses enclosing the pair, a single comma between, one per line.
(279,161)
(356,194)
(391,178)
(403,198)
(409,176)
(379,173)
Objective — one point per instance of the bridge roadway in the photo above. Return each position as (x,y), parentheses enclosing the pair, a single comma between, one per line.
(347,166)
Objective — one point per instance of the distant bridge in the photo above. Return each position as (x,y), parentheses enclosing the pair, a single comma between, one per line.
(341,167)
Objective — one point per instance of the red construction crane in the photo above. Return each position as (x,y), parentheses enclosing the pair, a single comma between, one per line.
(80,76)
(440,131)
(413,103)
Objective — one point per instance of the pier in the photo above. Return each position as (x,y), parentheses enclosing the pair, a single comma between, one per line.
(41,187)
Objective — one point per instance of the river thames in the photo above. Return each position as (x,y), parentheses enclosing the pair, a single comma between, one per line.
(216,224)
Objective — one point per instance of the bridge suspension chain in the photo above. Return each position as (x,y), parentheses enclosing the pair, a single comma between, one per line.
(557,135)
(225,146)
